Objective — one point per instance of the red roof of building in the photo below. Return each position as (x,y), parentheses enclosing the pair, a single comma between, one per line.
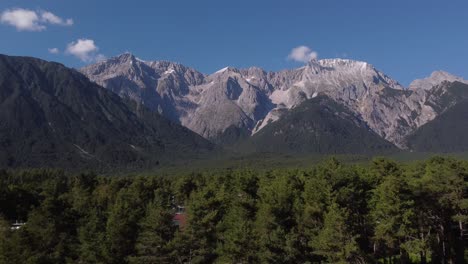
(180,219)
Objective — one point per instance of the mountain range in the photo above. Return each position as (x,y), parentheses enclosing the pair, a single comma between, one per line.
(233,104)
(128,112)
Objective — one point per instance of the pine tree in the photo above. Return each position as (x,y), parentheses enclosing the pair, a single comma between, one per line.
(91,236)
(276,221)
(316,199)
(197,243)
(238,242)
(393,213)
(336,241)
(445,182)
(156,232)
(122,223)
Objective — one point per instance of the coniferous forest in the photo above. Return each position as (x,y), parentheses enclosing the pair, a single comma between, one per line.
(379,212)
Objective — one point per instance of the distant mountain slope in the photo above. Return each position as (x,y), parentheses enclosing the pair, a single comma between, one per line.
(54,116)
(161,86)
(435,79)
(231,103)
(319,125)
(448,132)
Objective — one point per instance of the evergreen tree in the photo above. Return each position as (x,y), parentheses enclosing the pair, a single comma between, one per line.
(197,243)
(316,199)
(445,182)
(238,242)
(91,236)
(393,213)
(156,232)
(276,222)
(336,241)
(122,223)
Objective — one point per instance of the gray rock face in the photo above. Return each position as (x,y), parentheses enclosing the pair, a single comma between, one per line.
(207,105)
(435,79)
(250,99)
(161,86)
(352,83)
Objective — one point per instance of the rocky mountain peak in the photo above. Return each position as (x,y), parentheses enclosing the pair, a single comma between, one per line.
(254,71)
(337,62)
(318,66)
(125,56)
(226,70)
(122,59)
(314,66)
(224,75)
(436,78)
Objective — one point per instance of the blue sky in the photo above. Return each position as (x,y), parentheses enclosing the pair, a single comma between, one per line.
(405,39)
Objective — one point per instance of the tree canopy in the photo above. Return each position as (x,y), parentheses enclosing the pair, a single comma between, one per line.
(381,212)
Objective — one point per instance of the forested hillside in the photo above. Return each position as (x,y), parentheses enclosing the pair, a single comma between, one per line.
(331,213)
(319,125)
(53,116)
(446,133)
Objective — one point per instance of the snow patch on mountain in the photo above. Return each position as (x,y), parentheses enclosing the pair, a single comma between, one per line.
(222,70)
(169,71)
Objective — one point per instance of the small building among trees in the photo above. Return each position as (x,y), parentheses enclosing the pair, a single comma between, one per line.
(180,217)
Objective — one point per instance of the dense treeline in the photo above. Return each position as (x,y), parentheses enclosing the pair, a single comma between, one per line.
(333,213)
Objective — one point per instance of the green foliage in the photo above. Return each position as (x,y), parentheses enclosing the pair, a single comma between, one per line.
(238,243)
(122,222)
(336,241)
(392,212)
(5,236)
(276,221)
(156,231)
(331,213)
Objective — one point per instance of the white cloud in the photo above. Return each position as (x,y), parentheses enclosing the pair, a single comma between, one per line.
(48,17)
(85,50)
(302,54)
(54,51)
(30,20)
(22,19)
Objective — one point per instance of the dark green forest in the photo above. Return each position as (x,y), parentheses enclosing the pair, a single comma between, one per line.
(379,212)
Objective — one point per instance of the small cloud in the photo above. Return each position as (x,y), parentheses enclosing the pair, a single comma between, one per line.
(54,51)
(302,54)
(85,50)
(30,20)
(48,17)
